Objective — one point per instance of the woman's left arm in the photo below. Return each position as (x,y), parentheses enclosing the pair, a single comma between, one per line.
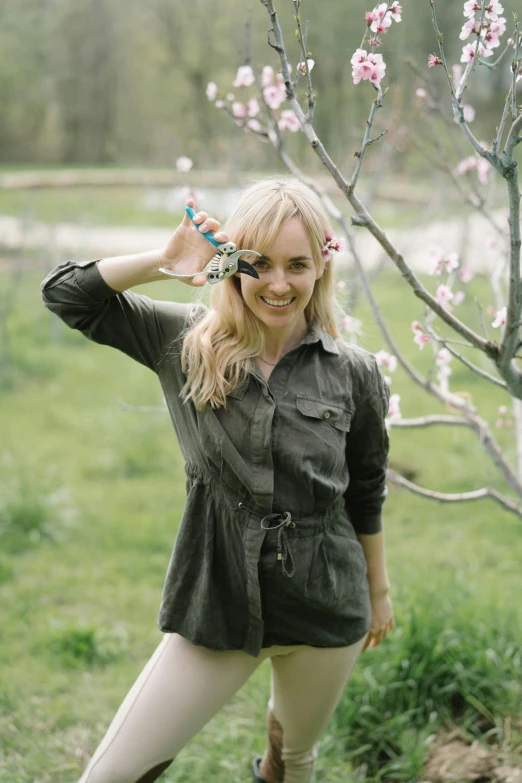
(375,555)
(367,451)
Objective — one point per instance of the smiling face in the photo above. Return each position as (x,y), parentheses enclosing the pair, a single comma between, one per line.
(286,272)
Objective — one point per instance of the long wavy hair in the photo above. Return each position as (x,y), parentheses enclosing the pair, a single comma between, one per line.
(220,347)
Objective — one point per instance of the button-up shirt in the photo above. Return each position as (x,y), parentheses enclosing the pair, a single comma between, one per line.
(278,482)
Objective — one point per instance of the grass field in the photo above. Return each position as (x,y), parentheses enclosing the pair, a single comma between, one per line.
(90,499)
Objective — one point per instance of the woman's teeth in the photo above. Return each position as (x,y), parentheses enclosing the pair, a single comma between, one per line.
(277,302)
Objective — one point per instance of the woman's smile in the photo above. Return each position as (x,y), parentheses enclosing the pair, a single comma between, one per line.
(277,304)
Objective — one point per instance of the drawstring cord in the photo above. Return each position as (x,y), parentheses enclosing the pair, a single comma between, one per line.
(283,550)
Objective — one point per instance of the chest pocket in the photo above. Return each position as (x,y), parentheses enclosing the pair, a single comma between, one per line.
(331,413)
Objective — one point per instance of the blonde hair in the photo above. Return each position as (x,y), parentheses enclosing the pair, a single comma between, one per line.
(219,348)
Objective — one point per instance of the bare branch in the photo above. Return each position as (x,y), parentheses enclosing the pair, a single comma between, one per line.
(478,494)
(429,421)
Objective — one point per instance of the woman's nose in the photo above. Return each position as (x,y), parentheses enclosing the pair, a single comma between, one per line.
(279,282)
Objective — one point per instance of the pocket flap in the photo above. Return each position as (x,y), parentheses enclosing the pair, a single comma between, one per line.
(333,413)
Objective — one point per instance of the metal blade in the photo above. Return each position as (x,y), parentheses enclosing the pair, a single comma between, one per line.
(246,268)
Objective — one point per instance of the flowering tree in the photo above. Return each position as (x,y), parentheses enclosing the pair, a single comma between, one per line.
(276,109)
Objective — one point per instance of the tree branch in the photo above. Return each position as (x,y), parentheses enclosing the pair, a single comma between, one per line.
(507,503)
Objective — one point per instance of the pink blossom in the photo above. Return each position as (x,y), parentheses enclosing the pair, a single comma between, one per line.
(465,274)
(245,76)
(421,339)
(253,107)
(239,110)
(375,42)
(359,56)
(444,295)
(493,9)
(267,76)
(459,297)
(470,7)
(492,33)
(341,285)
(502,409)
(396,11)
(434,60)
(468,52)
(436,257)
(183,164)
(385,359)
(367,66)
(483,170)
(500,319)
(382,19)
(371,16)
(219,104)
(420,92)
(394,411)
(186,193)
(352,325)
(443,357)
(471,26)
(469,112)
(301,67)
(289,121)
(500,423)
(416,326)
(212,91)
(254,125)
(457,73)
(274,95)
(451,262)
(467,164)
(442,377)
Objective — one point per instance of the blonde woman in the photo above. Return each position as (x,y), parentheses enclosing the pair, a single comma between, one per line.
(280,549)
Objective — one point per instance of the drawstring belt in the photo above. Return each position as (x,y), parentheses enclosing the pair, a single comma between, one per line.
(285,520)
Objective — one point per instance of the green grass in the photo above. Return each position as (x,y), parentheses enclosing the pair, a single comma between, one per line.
(104,206)
(78,607)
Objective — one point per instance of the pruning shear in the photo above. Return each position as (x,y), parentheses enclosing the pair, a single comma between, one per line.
(226,253)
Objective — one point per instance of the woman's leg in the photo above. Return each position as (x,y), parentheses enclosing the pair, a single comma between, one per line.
(180,689)
(306,687)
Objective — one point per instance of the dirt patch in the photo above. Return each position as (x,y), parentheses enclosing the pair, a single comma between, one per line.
(453,759)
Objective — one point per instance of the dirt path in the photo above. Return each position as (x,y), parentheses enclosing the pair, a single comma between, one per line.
(85,242)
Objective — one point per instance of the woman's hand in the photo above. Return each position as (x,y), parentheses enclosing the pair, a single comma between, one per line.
(382,620)
(188,252)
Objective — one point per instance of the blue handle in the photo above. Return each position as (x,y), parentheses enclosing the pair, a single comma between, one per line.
(208,235)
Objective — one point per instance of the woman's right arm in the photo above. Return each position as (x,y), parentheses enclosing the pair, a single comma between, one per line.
(92,296)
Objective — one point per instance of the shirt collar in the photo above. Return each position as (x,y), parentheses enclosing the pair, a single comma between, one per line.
(317,334)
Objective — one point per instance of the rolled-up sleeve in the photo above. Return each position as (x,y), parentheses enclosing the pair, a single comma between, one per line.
(367,451)
(133,323)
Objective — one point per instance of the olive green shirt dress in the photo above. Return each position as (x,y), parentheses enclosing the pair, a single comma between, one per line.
(278,483)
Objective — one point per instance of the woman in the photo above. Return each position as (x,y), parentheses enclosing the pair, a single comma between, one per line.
(280,550)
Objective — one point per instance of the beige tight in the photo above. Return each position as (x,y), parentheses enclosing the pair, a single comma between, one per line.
(184,685)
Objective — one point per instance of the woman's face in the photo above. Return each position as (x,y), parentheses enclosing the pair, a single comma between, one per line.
(286,272)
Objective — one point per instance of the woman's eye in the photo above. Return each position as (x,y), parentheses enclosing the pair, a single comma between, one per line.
(296,263)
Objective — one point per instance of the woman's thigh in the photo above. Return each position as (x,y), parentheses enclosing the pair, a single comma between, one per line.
(306,686)
(180,689)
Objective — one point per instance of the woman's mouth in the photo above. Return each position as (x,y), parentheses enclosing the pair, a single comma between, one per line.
(278,304)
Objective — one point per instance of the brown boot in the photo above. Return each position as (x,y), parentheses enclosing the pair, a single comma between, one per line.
(272,767)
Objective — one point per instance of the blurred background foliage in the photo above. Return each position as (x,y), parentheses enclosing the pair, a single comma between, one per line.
(120,82)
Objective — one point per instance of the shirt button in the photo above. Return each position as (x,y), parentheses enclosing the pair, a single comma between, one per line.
(327,415)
